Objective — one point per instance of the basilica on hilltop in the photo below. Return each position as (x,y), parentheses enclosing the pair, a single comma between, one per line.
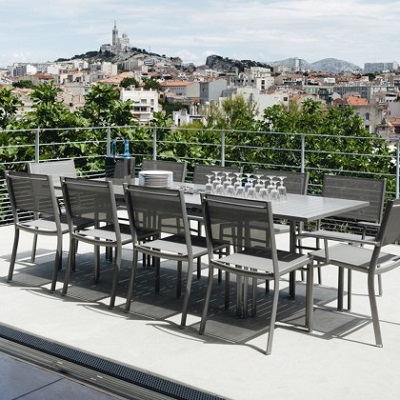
(118,44)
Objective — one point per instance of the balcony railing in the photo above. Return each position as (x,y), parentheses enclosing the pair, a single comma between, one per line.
(272,150)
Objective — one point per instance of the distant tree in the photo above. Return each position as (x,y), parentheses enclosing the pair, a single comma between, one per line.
(24,84)
(103,107)
(152,84)
(129,81)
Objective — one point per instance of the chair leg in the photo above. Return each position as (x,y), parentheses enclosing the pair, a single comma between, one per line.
(131,281)
(34,246)
(179,279)
(274,310)
(117,268)
(227,289)
(374,310)
(207,299)
(349,288)
(57,263)
(187,293)
(70,265)
(380,288)
(96,263)
(340,289)
(310,297)
(13,255)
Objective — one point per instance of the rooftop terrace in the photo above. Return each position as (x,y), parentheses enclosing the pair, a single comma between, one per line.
(337,360)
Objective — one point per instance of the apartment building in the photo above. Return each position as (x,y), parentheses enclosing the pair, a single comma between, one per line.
(145,103)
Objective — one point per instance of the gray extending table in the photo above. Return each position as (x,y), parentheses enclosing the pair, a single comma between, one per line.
(295,208)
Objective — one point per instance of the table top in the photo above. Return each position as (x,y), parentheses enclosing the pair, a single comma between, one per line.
(295,207)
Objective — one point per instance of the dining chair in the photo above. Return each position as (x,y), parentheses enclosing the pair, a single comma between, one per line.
(55,169)
(35,210)
(201,171)
(367,257)
(178,168)
(201,174)
(363,220)
(94,201)
(120,169)
(163,210)
(248,226)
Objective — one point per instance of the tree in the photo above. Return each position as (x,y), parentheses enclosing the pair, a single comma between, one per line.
(98,108)
(9,104)
(152,84)
(129,81)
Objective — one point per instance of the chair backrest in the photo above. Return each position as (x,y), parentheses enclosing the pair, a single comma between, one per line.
(55,169)
(354,188)
(89,200)
(244,223)
(389,231)
(295,182)
(201,171)
(153,209)
(178,168)
(120,168)
(31,196)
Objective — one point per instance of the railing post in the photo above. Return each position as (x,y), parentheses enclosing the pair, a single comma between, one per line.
(155,144)
(397,167)
(223,149)
(303,152)
(37,144)
(108,150)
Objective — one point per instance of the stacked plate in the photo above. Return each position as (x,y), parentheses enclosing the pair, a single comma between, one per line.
(156,178)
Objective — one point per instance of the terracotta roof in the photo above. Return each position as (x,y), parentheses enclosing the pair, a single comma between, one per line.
(171,83)
(357,101)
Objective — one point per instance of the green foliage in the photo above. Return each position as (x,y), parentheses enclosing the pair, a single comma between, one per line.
(8,106)
(24,84)
(129,81)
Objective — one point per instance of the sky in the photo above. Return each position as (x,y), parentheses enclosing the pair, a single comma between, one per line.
(357,31)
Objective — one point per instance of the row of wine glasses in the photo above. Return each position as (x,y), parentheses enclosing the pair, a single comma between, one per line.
(249,186)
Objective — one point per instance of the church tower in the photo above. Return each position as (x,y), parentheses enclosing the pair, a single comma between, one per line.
(115,35)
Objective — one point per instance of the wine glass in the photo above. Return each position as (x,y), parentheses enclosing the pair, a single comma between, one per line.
(238,180)
(274,192)
(216,179)
(259,184)
(209,184)
(271,185)
(282,188)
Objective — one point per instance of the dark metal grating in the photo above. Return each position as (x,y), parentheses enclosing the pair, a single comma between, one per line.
(103,366)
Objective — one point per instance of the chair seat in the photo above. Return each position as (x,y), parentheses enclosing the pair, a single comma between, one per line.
(44,225)
(355,257)
(176,244)
(334,235)
(260,260)
(106,233)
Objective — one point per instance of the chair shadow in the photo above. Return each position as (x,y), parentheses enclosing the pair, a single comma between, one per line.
(222,324)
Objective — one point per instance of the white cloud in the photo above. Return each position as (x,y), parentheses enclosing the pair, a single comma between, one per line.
(354,30)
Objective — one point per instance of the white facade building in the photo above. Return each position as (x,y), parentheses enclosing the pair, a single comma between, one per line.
(145,103)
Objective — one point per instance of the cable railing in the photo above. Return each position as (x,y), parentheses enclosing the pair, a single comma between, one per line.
(318,155)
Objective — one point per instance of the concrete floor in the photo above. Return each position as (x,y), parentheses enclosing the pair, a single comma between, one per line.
(337,360)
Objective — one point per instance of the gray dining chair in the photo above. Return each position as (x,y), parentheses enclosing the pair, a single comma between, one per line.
(35,210)
(94,201)
(368,257)
(55,169)
(178,169)
(249,228)
(163,210)
(363,220)
(200,173)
